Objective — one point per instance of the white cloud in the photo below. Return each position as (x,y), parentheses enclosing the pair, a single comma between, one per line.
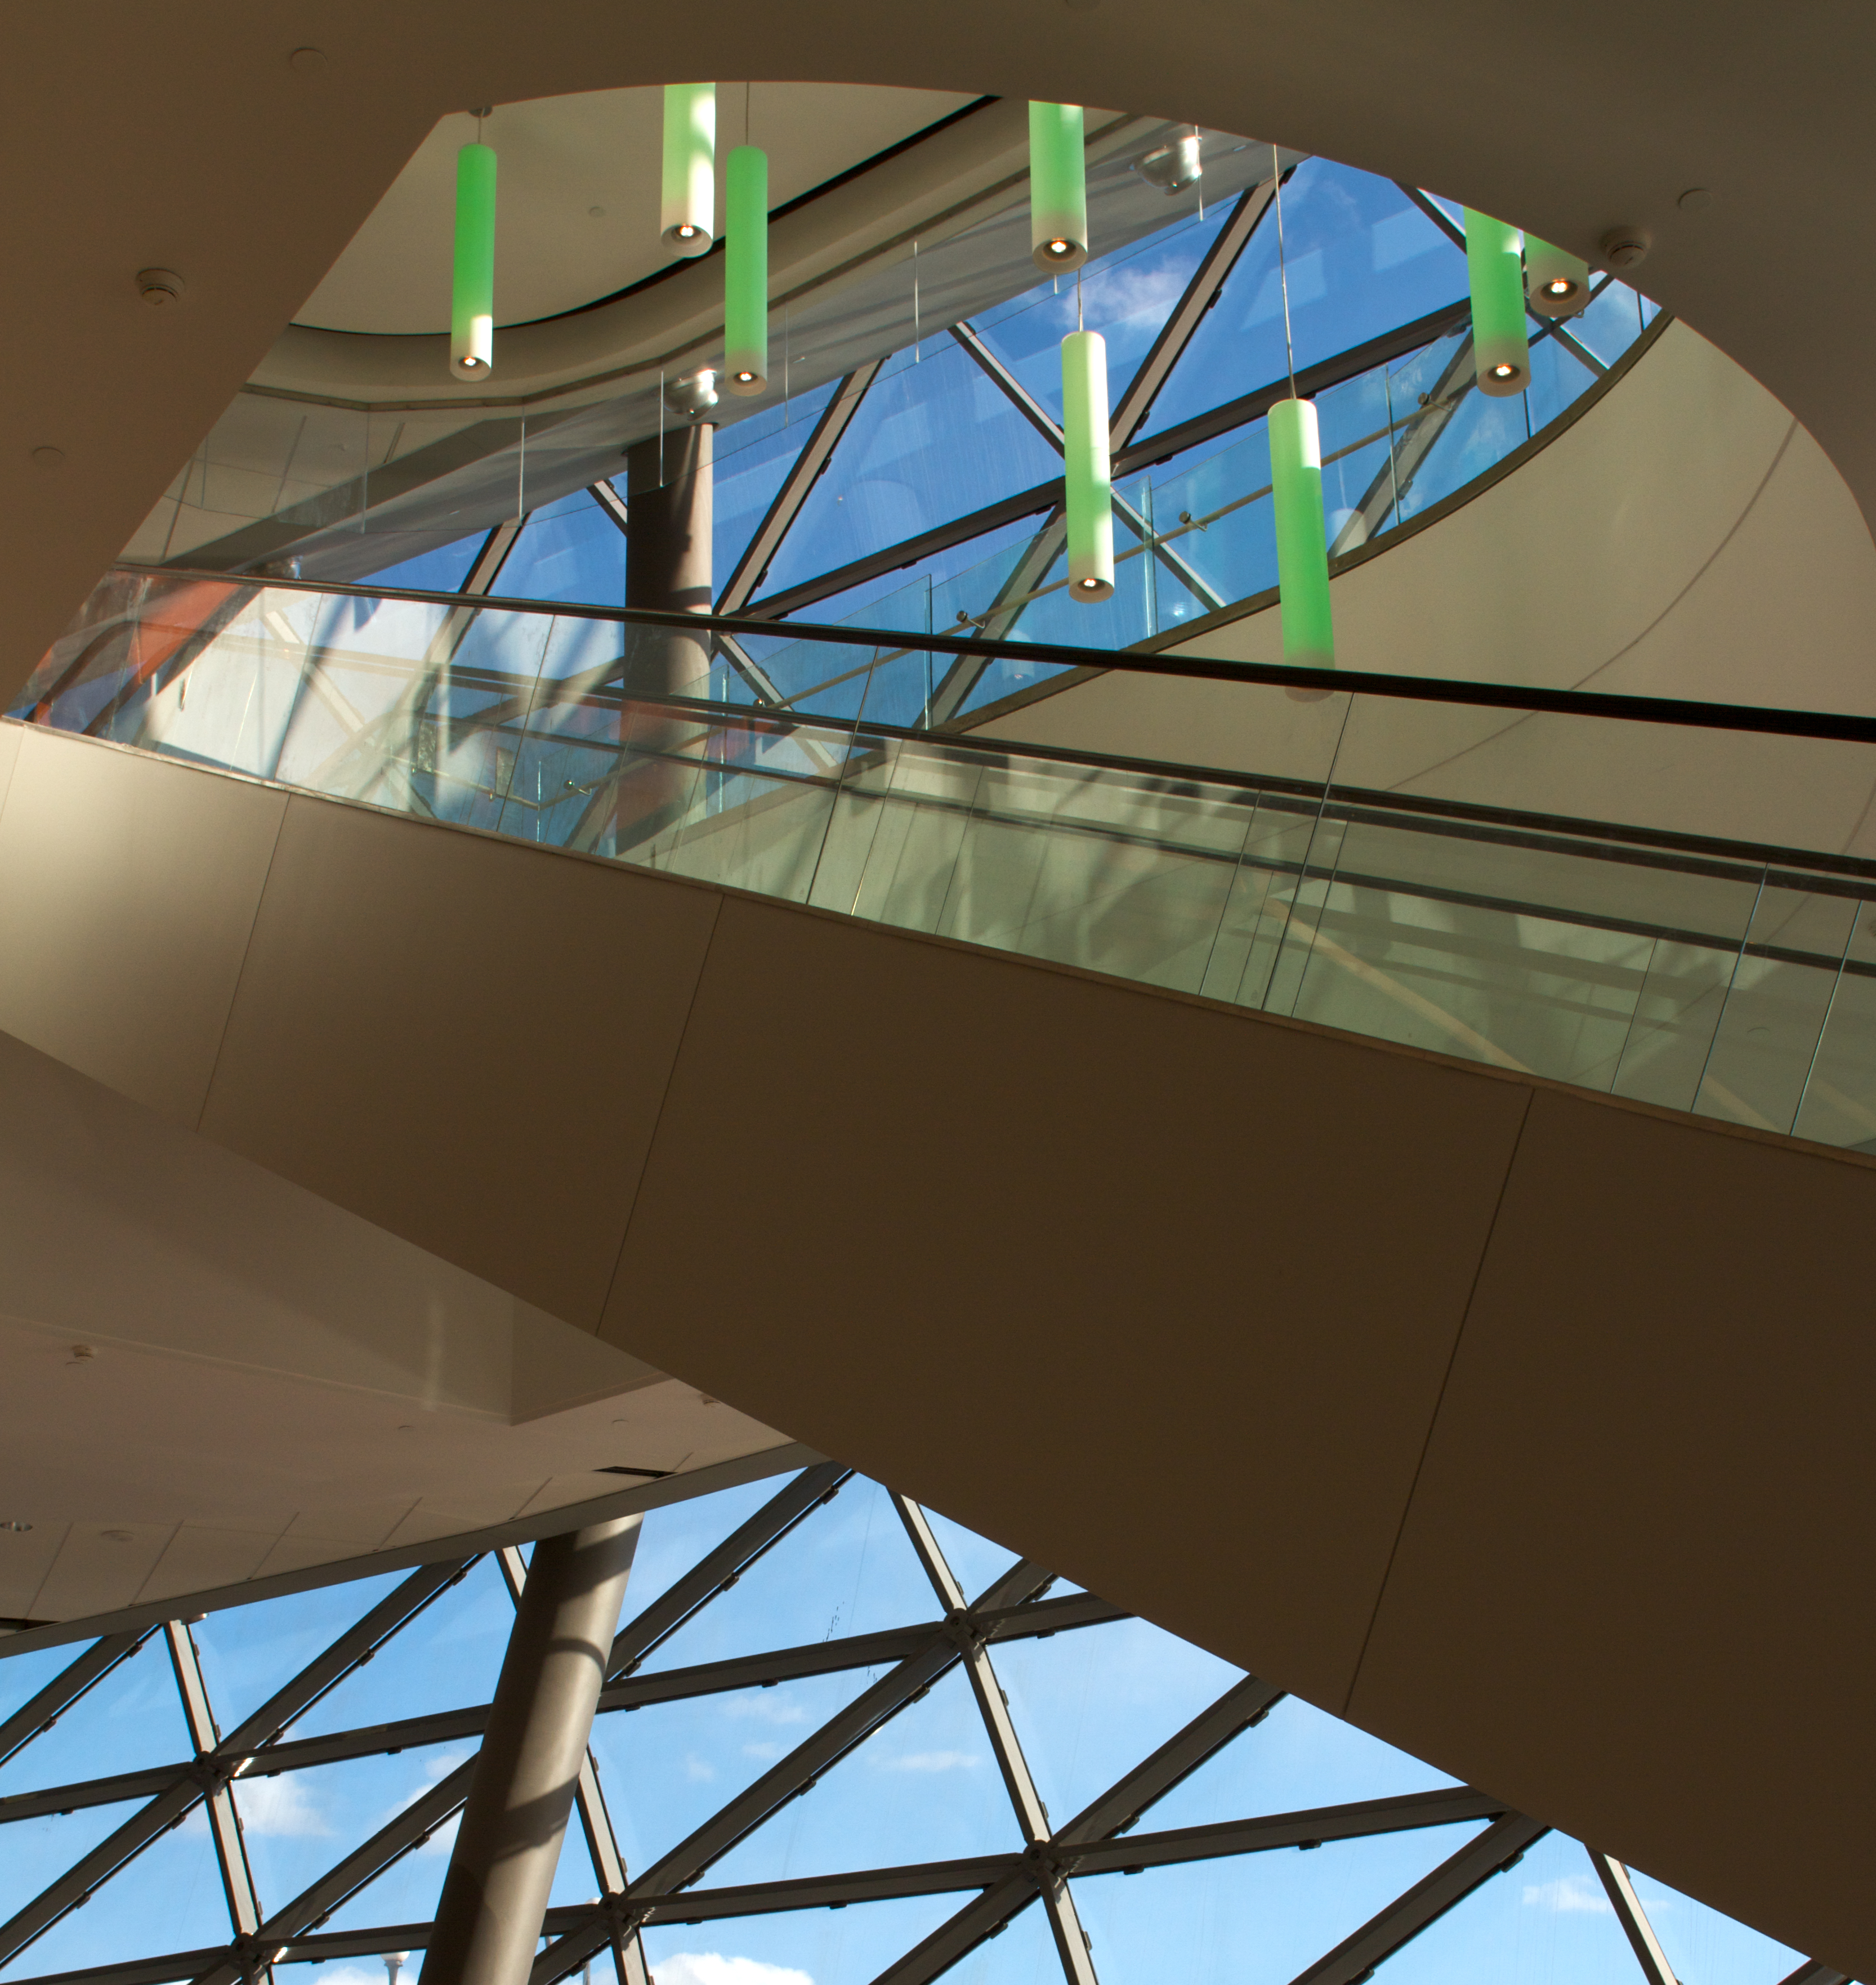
(698,1770)
(348,1974)
(1568,1895)
(768,1706)
(932,1761)
(434,1768)
(710,1967)
(280,1808)
(762,1750)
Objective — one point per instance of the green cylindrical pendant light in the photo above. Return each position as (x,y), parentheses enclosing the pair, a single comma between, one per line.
(472,306)
(1086,483)
(1500,346)
(1556,283)
(746,271)
(688,217)
(1058,186)
(1302,549)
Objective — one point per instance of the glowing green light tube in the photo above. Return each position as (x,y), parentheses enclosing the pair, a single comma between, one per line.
(688,217)
(1302,549)
(1556,283)
(746,271)
(1058,186)
(1086,485)
(1500,346)
(472,306)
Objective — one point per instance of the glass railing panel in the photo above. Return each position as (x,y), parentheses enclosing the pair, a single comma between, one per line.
(1836,1104)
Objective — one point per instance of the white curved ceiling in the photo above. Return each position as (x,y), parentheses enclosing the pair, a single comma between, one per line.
(577,214)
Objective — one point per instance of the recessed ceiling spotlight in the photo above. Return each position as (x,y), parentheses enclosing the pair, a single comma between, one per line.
(687,232)
(1504,371)
(1558,287)
(119,1537)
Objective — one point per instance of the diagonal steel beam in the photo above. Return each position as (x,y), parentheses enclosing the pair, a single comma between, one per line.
(1502,1844)
(719,1569)
(43,1710)
(312,1905)
(1072,1946)
(1812,1973)
(1177,332)
(836,418)
(1031,568)
(1396,476)
(196,1780)
(224,1823)
(1620,1889)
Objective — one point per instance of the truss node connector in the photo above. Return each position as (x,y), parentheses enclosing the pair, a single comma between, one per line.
(962,1631)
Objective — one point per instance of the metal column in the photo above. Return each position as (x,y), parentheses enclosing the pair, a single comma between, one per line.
(502,1867)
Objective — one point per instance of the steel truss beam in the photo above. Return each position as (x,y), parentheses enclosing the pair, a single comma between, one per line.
(188,1784)
(836,418)
(1188,313)
(224,1823)
(39,1715)
(1501,1846)
(1633,1918)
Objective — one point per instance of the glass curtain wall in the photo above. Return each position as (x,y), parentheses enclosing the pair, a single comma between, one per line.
(801,1775)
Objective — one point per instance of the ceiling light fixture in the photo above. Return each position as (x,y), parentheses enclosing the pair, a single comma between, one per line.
(1557,283)
(1296,499)
(1171,167)
(687,217)
(746,271)
(1501,340)
(472,301)
(1087,470)
(1058,186)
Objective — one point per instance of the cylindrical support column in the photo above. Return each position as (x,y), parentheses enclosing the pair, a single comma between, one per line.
(471,304)
(1058,186)
(1556,283)
(746,271)
(1302,551)
(1087,490)
(1494,267)
(669,517)
(502,1867)
(687,217)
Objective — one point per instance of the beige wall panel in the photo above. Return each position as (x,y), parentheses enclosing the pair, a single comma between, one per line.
(1646,1523)
(463,1039)
(11,736)
(998,1235)
(137,881)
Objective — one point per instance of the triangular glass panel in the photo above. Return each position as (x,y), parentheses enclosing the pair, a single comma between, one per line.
(1021,1952)
(848,1569)
(250,1653)
(1252,1919)
(1296,1759)
(669,1766)
(1702,1944)
(835,1946)
(672,1540)
(298,1824)
(1615,318)
(570,550)
(442,570)
(1480,433)
(1089,1705)
(975,1562)
(1559,379)
(924,1787)
(752,460)
(38,1851)
(1544,1922)
(23,1676)
(934,440)
(450,1654)
(1126,296)
(132,1718)
(169,1898)
(1361,259)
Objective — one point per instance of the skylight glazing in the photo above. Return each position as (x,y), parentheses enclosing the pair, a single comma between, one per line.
(801,1785)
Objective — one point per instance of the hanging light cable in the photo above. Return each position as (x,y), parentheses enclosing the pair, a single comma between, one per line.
(688,215)
(472,301)
(1556,284)
(1296,501)
(1058,186)
(745,268)
(1500,342)
(1086,470)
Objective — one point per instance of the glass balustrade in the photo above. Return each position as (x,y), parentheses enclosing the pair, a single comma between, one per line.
(1668,910)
